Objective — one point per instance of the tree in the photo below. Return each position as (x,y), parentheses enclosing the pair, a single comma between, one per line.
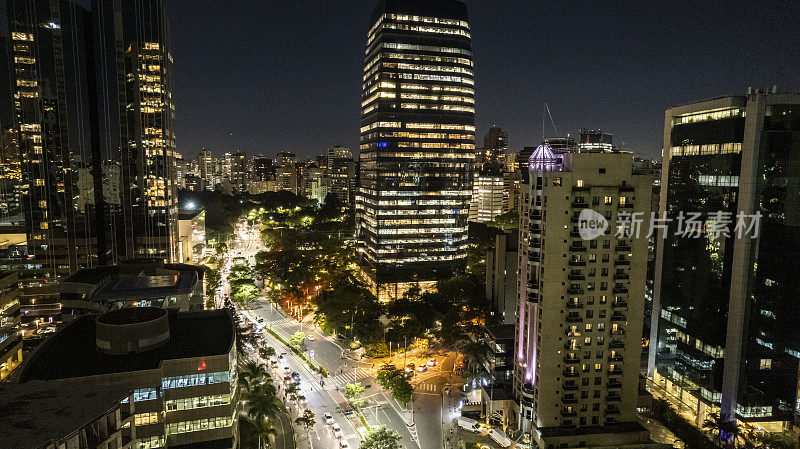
(264,402)
(306,420)
(506,221)
(291,391)
(243,291)
(354,393)
(394,380)
(297,340)
(251,374)
(379,437)
(267,352)
(723,427)
(261,433)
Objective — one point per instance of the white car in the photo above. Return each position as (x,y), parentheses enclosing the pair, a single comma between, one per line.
(286,369)
(343,444)
(337,431)
(310,337)
(328,418)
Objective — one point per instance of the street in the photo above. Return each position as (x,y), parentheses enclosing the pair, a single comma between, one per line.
(420,429)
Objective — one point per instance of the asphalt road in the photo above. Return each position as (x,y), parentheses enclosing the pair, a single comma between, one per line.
(420,430)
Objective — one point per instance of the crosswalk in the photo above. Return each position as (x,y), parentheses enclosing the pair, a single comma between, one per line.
(427,387)
(340,380)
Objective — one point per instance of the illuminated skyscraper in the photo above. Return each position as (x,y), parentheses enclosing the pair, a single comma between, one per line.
(48,48)
(417,145)
(134,71)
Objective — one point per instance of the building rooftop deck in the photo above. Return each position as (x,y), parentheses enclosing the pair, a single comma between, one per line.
(73,352)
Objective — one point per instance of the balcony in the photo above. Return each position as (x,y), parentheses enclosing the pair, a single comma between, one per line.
(622,248)
(577,263)
(574,318)
(579,204)
(577,249)
(568,373)
(614,385)
(618,317)
(627,189)
(571,348)
(534,257)
(574,234)
(621,276)
(537,216)
(569,400)
(575,291)
(612,411)
(615,372)
(570,413)
(575,305)
(620,290)
(569,386)
(616,344)
(626,206)
(571,360)
(616,358)
(618,332)
(576,277)
(613,398)
(619,304)
(622,263)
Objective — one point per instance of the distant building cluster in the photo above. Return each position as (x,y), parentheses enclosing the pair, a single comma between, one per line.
(332,173)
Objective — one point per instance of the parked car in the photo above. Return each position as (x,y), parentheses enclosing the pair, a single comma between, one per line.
(337,431)
(500,437)
(432,362)
(422,368)
(410,367)
(310,337)
(286,369)
(296,376)
(328,418)
(469,424)
(343,444)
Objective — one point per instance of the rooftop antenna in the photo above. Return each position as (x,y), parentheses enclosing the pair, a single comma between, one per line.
(551,119)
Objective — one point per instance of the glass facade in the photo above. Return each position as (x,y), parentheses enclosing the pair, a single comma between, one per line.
(725,320)
(417,142)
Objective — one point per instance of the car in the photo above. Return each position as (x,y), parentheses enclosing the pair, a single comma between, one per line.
(296,376)
(328,418)
(287,379)
(410,367)
(281,358)
(310,337)
(286,369)
(422,368)
(348,412)
(273,363)
(337,431)
(343,444)
(432,362)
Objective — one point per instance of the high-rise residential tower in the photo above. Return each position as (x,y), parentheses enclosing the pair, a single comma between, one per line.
(580,300)
(134,78)
(725,322)
(417,145)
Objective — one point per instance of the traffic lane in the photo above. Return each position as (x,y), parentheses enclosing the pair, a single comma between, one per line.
(321,402)
(428,415)
(386,415)
(283,438)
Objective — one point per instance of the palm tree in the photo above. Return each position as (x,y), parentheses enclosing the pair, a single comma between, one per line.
(262,432)
(253,373)
(264,402)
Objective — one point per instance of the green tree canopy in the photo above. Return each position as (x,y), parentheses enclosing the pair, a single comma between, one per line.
(379,437)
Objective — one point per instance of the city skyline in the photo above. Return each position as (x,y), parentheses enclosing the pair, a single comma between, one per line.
(616,68)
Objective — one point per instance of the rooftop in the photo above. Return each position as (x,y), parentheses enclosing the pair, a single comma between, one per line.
(72,351)
(35,413)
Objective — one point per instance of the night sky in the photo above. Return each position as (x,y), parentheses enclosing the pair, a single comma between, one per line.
(265,76)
